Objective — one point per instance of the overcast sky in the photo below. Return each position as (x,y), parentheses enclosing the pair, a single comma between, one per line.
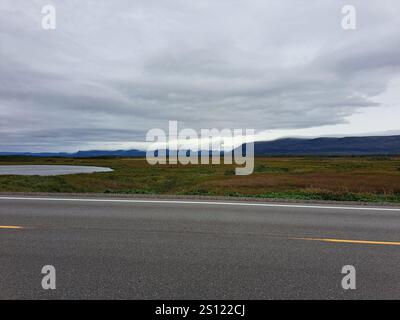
(112,70)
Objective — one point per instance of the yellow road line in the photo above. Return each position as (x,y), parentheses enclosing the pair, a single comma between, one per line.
(389,243)
(11,227)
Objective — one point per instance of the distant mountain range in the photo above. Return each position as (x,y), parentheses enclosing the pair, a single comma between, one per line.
(373,145)
(80,154)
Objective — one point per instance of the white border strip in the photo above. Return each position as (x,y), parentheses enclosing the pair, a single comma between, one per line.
(248,204)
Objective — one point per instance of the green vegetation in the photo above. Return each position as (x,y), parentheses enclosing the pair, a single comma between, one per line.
(373,179)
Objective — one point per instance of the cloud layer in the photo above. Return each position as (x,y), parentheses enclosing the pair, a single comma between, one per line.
(114,69)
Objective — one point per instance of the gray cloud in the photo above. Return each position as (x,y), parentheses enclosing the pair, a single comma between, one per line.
(113,70)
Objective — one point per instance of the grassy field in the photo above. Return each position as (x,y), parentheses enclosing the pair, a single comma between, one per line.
(374,179)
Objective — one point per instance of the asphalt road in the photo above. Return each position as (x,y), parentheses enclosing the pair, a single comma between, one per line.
(196,250)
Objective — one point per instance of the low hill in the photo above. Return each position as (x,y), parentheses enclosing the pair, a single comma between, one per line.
(373,145)
(80,154)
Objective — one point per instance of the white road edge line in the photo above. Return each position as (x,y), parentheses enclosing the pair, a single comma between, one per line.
(251,204)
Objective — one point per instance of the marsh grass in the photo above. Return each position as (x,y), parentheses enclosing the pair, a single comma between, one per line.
(374,179)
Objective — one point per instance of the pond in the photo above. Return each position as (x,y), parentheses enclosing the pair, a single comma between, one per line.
(48,170)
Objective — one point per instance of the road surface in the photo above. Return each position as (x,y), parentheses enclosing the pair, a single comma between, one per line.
(150,249)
